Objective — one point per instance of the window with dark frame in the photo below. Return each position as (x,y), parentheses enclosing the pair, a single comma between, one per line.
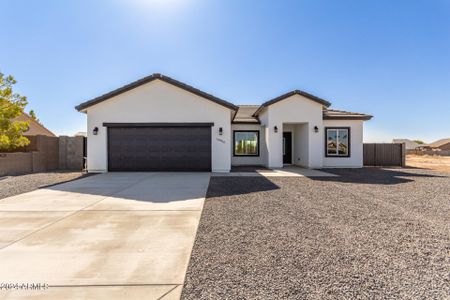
(337,142)
(246,143)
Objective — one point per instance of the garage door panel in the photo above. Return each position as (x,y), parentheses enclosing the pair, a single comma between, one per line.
(159,149)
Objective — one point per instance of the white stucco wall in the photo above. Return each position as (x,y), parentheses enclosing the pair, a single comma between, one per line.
(260,160)
(159,102)
(300,142)
(264,119)
(356,145)
(295,109)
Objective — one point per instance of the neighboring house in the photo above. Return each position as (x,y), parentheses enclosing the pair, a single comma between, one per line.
(160,124)
(409,145)
(81,133)
(34,128)
(443,144)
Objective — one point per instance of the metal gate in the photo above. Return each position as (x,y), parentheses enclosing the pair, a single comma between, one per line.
(384,154)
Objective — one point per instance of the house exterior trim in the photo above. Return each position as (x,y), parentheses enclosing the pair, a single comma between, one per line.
(246,155)
(158,124)
(363,118)
(349,143)
(244,122)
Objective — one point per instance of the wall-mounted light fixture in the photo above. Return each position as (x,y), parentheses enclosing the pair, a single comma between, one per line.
(220,130)
(95,131)
(275,129)
(316,129)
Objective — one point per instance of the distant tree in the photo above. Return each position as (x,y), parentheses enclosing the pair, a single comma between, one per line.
(33,116)
(11,106)
(419,142)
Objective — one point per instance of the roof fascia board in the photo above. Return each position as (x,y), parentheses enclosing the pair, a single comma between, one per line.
(364,118)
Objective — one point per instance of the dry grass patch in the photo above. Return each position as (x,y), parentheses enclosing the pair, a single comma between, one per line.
(432,162)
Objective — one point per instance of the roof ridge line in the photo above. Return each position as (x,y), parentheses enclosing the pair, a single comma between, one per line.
(292,93)
(148,79)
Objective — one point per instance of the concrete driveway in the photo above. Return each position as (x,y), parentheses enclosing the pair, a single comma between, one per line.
(115,235)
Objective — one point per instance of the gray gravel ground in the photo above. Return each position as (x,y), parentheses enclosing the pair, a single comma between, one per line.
(370,233)
(14,185)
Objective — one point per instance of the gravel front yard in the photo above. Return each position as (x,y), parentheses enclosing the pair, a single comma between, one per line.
(14,185)
(371,233)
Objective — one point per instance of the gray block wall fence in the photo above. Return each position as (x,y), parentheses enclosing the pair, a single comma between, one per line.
(71,153)
(45,154)
(16,163)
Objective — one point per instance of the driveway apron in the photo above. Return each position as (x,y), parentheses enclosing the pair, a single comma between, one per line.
(108,236)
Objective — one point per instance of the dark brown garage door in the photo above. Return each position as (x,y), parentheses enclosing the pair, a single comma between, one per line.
(166,148)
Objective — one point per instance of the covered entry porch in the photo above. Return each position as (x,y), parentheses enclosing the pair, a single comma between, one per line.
(295,144)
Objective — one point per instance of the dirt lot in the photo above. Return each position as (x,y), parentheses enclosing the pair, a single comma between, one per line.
(371,233)
(435,162)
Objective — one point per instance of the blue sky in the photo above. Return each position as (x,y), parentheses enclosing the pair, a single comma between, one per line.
(387,58)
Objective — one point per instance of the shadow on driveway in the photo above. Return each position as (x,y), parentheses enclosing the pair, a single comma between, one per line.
(229,186)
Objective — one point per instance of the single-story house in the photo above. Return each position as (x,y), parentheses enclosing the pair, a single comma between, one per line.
(439,145)
(409,145)
(160,124)
(34,127)
(81,133)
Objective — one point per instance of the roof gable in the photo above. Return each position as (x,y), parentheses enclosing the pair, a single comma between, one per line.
(34,127)
(148,79)
(292,93)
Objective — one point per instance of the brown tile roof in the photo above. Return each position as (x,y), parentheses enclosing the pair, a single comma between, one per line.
(148,79)
(333,114)
(438,143)
(34,128)
(245,114)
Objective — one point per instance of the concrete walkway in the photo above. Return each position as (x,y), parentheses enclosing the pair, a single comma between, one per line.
(287,171)
(109,236)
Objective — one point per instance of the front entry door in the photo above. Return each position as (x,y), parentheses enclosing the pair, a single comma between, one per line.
(287,147)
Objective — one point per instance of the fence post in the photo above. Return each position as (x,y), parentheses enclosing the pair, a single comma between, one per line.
(63,152)
(403,154)
(375,157)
